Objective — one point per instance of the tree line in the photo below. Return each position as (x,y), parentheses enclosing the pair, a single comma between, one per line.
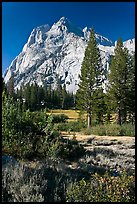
(34,97)
(118,99)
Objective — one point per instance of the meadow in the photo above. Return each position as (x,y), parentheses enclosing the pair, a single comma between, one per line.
(45,160)
(73,115)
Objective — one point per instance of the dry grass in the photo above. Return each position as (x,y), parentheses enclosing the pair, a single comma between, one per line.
(72,114)
(82,137)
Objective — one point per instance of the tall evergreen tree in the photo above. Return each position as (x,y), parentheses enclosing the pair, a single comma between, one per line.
(33,97)
(10,85)
(64,97)
(26,94)
(99,105)
(4,88)
(90,78)
(118,86)
(131,88)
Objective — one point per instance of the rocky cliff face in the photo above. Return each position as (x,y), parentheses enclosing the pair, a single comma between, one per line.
(56,53)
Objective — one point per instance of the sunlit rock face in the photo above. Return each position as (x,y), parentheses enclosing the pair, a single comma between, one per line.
(56,53)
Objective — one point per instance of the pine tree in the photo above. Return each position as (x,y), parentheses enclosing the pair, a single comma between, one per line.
(90,78)
(10,85)
(4,88)
(34,97)
(40,96)
(99,105)
(118,87)
(131,88)
(49,95)
(26,94)
(45,94)
(64,97)
(59,89)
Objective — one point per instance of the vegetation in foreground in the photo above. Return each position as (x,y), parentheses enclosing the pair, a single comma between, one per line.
(30,135)
(104,188)
(35,135)
(112,130)
(49,184)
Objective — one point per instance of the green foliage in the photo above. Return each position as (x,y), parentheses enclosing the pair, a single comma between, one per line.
(90,78)
(33,134)
(37,98)
(99,106)
(54,145)
(39,118)
(11,116)
(18,129)
(104,188)
(71,150)
(60,118)
(121,72)
(112,130)
(72,126)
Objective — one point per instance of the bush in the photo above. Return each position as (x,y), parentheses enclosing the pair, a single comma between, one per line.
(29,134)
(39,119)
(18,129)
(103,189)
(70,149)
(61,118)
(51,144)
(128,129)
(42,184)
(16,188)
(112,130)
(72,126)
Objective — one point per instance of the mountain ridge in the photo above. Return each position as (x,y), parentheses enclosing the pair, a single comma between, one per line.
(56,53)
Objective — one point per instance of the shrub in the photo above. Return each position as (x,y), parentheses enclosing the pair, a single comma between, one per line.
(61,118)
(112,130)
(128,129)
(51,144)
(41,184)
(27,136)
(96,130)
(103,189)
(14,187)
(71,149)
(72,126)
(39,118)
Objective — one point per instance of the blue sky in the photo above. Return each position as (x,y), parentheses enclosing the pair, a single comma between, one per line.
(110,19)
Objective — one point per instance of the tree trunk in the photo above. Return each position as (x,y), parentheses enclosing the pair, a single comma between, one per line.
(124,116)
(89,120)
(119,117)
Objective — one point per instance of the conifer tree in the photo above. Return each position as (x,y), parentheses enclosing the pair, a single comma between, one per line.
(33,97)
(118,86)
(27,94)
(131,88)
(90,78)
(64,97)
(10,85)
(99,105)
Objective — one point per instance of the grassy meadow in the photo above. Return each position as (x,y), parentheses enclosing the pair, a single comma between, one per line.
(73,115)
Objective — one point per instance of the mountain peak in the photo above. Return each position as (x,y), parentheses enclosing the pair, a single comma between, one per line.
(63,20)
(66,24)
(56,53)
